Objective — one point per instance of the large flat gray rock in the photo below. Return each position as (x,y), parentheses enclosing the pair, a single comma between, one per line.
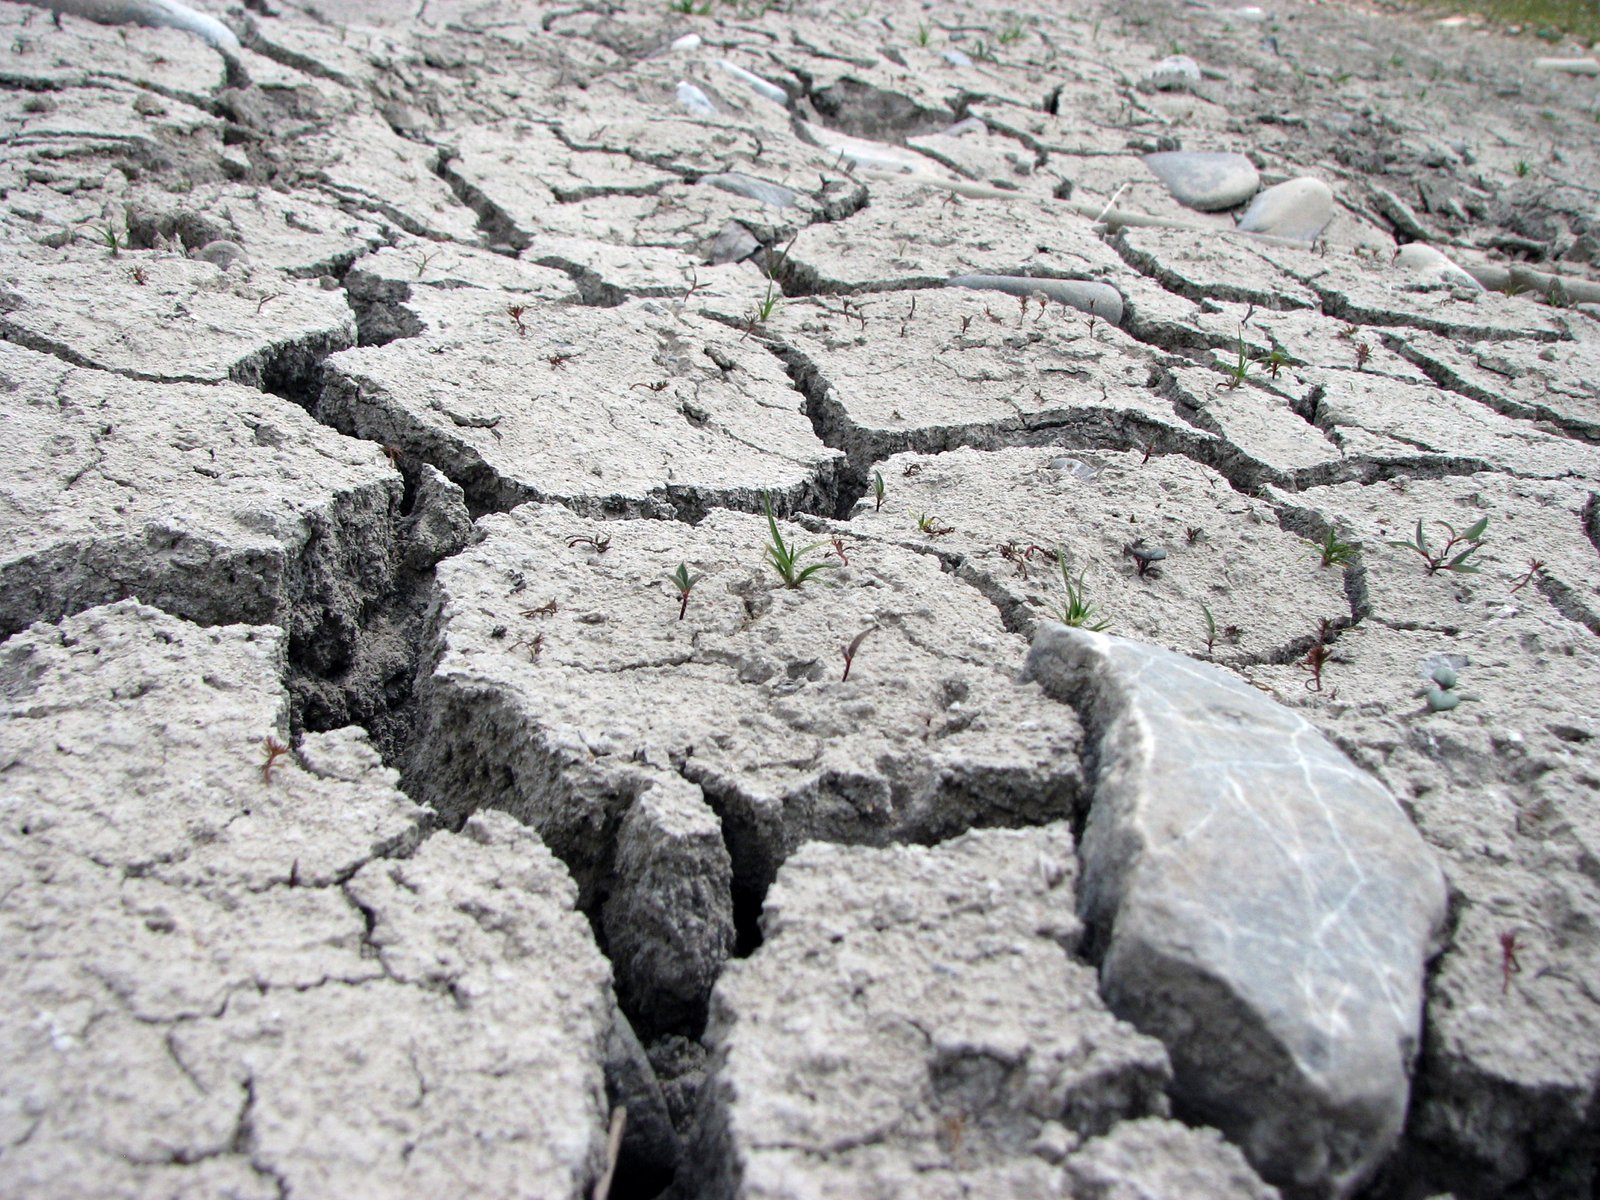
(1259,903)
(1205,180)
(229,980)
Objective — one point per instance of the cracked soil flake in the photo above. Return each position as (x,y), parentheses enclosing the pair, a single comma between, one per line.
(563,403)
(930,734)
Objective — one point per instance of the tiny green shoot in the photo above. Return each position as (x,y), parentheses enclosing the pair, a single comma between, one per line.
(785,556)
(1441,559)
(1074,609)
(684,582)
(877,491)
(1211,626)
(1333,552)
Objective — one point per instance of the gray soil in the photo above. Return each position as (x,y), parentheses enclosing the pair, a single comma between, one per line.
(732,602)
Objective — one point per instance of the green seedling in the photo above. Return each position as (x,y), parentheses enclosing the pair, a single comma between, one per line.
(877,491)
(928,525)
(924,35)
(1335,553)
(108,236)
(1522,168)
(1237,372)
(684,582)
(785,556)
(850,650)
(1274,362)
(1011,34)
(1211,626)
(1074,609)
(594,541)
(1441,559)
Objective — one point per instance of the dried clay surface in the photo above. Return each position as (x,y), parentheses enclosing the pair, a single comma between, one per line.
(766,599)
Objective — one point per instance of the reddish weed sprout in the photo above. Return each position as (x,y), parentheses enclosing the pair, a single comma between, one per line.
(275,751)
(1509,965)
(850,650)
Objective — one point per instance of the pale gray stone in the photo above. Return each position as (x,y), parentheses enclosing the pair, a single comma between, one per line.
(1298,209)
(754,189)
(168,13)
(912,1025)
(1175,73)
(1205,181)
(1098,299)
(1260,904)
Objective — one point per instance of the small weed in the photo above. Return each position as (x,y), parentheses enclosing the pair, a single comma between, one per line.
(1335,553)
(424,259)
(1149,449)
(924,35)
(1363,352)
(275,750)
(659,385)
(1193,534)
(138,276)
(1011,34)
(515,312)
(1023,555)
(1274,362)
(838,551)
(1211,627)
(1144,558)
(785,556)
(928,525)
(109,238)
(1074,609)
(1509,965)
(558,362)
(684,582)
(1237,372)
(850,650)
(1316,658)
(1535,567)
(1440,559)
(1522,168)
(594,541)
(688,8)
(877,491)
(547,609)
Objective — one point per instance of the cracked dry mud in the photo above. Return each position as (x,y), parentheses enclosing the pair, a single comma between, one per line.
(411,756)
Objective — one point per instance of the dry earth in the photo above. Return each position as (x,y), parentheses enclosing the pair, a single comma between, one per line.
(422,745)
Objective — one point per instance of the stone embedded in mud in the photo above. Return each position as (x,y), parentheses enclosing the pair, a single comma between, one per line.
(1176,73)
(1097,299)
(1298,209)
(1260,904)
(915,1025)
(1433,266)
(1205,181)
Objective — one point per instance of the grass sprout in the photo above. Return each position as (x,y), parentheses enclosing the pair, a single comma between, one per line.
(785,556)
